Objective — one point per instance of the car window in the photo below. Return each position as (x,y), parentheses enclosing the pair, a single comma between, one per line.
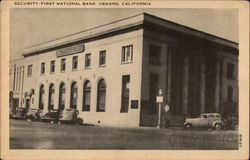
(217,116)
(203,116)
(210,116)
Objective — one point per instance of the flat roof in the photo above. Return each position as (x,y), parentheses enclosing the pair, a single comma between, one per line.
(122,24)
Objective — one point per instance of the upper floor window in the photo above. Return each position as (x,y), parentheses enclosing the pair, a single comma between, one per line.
(43,68)
(230,71)
(102,58)
(154,54)
(87,60)
(29,73)
(52,66)
(74,62)
(127,54)
(63,65)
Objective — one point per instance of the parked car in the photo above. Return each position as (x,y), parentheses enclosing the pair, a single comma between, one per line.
(206,120)
(51,116)
(70,116)
(34,114)
(19,113)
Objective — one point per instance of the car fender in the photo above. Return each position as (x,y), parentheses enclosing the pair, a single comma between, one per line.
(216,122)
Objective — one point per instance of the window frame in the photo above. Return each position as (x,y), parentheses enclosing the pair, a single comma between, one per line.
(63,64)
(29,70)
(86,91)
(51,96)
(41,96)
(74,63)
(125,94)
(87,57)
(43,68)
(52,66)
(62,93)
(102,58)
(124,57)
(73,89)
(101,93)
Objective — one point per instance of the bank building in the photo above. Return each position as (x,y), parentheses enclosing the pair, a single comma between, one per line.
(112,73)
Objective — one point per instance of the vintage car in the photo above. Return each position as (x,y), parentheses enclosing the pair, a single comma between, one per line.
(70,116)
(51,116)
(206,120)
(33,114)
(19,113)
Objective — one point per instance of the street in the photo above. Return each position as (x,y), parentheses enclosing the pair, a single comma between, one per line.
(39,135)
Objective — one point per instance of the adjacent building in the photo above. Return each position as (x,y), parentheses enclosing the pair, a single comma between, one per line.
(112,73)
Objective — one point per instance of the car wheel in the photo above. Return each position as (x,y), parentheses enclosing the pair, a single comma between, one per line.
(217,126)
(188,126)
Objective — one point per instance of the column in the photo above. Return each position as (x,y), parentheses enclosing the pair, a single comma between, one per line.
(20,78)
(18,87)
(17,78)
(46,95)
(14,77)
(79,95)
(202,85)
(21,82)
(185,85)
(217,86)
(56,95)
(168,97)
(67,93)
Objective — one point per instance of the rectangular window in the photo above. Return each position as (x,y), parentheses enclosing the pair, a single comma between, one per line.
(125,94)
(127,54)
(154,54)
(52,66)
(29,73)
(74,62)
(43,68)
(102,58)
(230,71)
(87,60)
(63,65)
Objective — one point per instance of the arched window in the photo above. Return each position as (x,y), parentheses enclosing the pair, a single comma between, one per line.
(86,96)
(101,96)
(73,96)
(41,97)
(62,96)
(51,96)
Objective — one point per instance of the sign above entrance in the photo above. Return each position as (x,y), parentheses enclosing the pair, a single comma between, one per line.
(70,50)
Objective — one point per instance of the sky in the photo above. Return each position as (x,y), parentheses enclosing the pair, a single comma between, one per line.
(30,26)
